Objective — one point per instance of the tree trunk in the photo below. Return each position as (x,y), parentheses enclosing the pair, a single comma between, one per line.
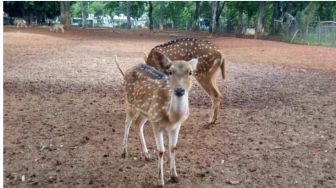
(260,17)
(213,22)
(31,18)
(239,31)
(196,16)
(129,24)
(249,16)
(276,16)
(161,15)
(229,24)
(65,17)
(84,12)
(150,15)
(218,13)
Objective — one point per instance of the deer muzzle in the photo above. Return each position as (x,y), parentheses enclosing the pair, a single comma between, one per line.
(179,92)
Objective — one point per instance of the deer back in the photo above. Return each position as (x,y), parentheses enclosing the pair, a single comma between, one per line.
(187,49)
(147,91)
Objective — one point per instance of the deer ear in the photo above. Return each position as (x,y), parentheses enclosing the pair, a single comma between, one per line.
(194,63)
(162,61)
(145,56)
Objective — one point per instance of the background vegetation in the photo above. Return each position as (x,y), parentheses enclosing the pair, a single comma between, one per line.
(269,18)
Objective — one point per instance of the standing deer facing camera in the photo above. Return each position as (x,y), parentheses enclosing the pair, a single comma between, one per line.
(161,99)
(210,62)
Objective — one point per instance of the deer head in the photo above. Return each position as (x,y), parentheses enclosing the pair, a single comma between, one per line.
(179,72)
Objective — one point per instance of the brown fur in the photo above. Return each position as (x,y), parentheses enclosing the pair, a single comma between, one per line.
(209,58)
(57,27)
(19,22)
(152,95)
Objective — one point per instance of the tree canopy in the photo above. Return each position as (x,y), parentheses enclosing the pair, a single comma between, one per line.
(177,14)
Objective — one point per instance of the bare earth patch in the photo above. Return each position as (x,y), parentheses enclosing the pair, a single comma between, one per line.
(64,114)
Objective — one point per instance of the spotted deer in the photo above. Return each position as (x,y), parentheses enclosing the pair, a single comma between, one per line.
(57,27)
(210,62)
(160,99)
(19,22)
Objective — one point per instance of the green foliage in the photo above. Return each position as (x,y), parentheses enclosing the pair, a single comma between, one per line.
(306,16)
(178,12)
(97,8)
(327,11)
(206,11)
(111,6)
(268,16)
(24,9)
(137,8)
(75,9)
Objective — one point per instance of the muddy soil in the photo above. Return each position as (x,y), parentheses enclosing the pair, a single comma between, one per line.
(64,114)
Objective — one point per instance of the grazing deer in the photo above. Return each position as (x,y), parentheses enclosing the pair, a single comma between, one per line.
(161,99)
(210,61)
(57,27)
(19,22)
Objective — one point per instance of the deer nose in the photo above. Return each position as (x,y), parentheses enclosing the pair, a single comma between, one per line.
(179,92)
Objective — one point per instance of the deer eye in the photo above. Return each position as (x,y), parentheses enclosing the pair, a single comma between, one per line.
(190,73)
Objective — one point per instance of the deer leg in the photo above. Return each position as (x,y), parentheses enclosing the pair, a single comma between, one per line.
(213,92)
(142,120)
(128,123)
(215,99)
(173,137)
(160,147)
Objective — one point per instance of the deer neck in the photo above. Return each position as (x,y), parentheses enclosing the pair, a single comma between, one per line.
(179,107)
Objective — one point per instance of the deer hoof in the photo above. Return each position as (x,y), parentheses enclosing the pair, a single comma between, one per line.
(148,157)
(174,179)
(208,125)
(160,184)
(212,121)
(124,155)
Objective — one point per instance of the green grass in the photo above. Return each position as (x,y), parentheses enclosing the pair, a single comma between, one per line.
(312,39)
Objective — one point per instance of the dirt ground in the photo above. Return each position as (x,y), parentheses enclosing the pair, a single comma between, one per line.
(64,114)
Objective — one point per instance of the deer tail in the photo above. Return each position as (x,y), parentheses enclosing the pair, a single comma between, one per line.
(223,68)
(116,62)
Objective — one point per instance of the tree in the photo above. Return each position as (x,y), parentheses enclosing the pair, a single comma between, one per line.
(84,12)
(196,16)
(305,17)
(213,22)
(161,15)
(239,31)
(251,8)
(111,7)
(150,15)
(218,13)
(260,17)
(129,24)
(65,17)
(275,16)
(178,13)
(327,10)
(32,10)
(239,7)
